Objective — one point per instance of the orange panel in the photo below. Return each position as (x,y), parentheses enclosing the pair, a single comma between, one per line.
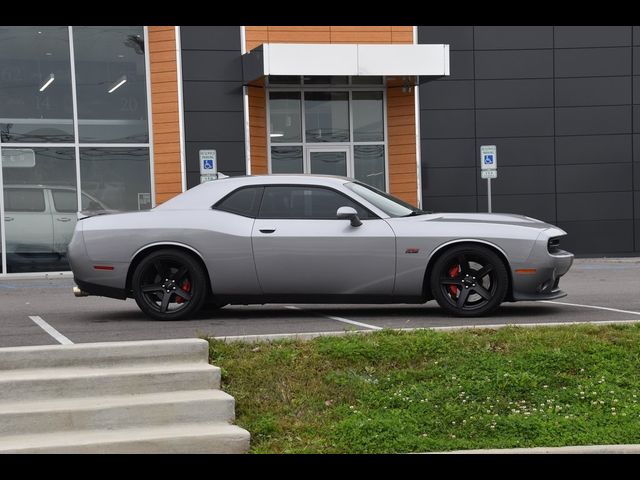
(165,107)
(163,77)
(165,117)
(166,66)
(397,149)
(361,37)
(165,87)
(360,28)
(289,28)
(160,35)
(299,37)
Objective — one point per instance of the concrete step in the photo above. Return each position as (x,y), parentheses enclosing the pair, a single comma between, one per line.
(54,383)
(108,354)
(178,438)
(108,412)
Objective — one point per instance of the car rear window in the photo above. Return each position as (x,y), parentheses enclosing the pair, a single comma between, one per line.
(244,201)
(24,200)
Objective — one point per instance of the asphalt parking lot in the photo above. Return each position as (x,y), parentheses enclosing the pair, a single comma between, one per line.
(43,311)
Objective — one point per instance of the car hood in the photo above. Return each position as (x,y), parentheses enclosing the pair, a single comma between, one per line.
(492,218)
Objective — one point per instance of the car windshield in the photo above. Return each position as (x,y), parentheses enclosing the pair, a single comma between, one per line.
(389,204)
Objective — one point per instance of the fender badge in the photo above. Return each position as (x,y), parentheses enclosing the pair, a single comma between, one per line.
(412,250)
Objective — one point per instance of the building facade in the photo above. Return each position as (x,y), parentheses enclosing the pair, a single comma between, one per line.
(114,118)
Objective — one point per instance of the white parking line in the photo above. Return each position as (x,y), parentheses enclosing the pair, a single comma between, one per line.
(50,330)
(592,306)
(338,319)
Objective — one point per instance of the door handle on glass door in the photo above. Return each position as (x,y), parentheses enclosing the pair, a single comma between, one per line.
(8,219)
(63,219)
(267,230)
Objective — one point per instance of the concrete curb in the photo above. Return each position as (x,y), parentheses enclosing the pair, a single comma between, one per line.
(580,449)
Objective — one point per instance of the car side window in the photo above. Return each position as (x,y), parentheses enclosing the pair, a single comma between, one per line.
(24,200)
(65,201)
(244,201)
(306,203)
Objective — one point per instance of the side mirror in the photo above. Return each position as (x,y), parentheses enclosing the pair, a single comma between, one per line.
(349,213)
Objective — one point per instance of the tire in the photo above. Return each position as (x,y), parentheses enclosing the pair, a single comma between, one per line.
(169,285)
(469,281)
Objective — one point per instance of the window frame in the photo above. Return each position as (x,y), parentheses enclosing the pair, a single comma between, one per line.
(216,205)
(351,87)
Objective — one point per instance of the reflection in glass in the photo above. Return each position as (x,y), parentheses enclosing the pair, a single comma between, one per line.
(366,80)
(368,162)
(327,116)
(117,177)
(35,85)
(326,80)
(284,80)
(285,117)
(286,160)
(111,86)
(328,163)
(368,117)
(37,234)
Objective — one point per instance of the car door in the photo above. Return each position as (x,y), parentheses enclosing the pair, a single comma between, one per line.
(27,220)
(301,248)
(65,206)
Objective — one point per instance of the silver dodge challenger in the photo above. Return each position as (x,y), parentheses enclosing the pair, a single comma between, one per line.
(312,239)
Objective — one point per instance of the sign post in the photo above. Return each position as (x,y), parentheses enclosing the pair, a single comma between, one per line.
(488,167)
(208,165)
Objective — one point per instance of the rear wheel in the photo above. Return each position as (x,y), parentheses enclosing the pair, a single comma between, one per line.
(469,281)
(169,285)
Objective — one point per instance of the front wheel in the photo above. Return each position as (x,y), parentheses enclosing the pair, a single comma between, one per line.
(169,285)
(469,281)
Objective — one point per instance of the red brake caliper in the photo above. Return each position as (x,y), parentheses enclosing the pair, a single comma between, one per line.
(186,286)
(453,272)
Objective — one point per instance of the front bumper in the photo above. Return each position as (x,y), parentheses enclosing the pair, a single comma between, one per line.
(544,283)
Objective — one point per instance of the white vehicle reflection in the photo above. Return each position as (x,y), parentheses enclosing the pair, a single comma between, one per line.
(39,222)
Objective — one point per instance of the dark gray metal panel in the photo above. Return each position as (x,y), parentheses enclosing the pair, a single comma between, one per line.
(524,151)
(520,180)
(636,147)
(593,149)
(592,36)
(593,91)
(193,178)
(437,94)
(230,155)
(450,204)
(593,120)
(593,178)
(592,62)
(514,122)
(514,64)
(637,235)
(460,66)
(636,60)
(542,207)
(213,96)
(458,38)
(636,89)
(459,152)
(446,124)
(636,36)
(603,236)
(214,126)
(636,205)
(511,38)
(636,118)
(595,206)
(211,65)
(253,64)
(514,93)
(219,37)
(449,181)
(636,177)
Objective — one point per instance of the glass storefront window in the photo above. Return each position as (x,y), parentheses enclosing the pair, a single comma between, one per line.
(36,232)
(284,117)
(326,117)
(117,177)
(326,80)
(286,160)
(368,117)
(368,163)
(111,86)
(35,85)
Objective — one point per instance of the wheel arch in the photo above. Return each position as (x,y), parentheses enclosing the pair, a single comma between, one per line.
(153,247)
(441,249)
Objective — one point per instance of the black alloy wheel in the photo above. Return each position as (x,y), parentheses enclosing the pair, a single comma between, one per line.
(169,285)
(469,281)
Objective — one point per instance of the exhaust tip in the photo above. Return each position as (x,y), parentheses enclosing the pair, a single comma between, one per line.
(79,293)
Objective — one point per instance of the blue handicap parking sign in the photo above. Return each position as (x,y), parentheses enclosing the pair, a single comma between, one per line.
(488,159)
(208,164)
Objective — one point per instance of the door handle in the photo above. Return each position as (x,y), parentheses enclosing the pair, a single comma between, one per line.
(267,230)
(8,219)
(63,219)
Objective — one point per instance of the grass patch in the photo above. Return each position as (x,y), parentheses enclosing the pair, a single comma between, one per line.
(419,391)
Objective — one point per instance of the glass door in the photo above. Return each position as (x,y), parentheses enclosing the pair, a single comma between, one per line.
(328,161)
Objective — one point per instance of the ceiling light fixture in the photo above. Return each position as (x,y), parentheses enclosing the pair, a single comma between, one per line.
(276,135)
(48,82)
(118,83)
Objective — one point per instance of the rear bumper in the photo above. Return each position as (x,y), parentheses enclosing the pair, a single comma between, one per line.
(101,290)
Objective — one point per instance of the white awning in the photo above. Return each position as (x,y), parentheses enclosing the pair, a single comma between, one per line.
(345,59)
